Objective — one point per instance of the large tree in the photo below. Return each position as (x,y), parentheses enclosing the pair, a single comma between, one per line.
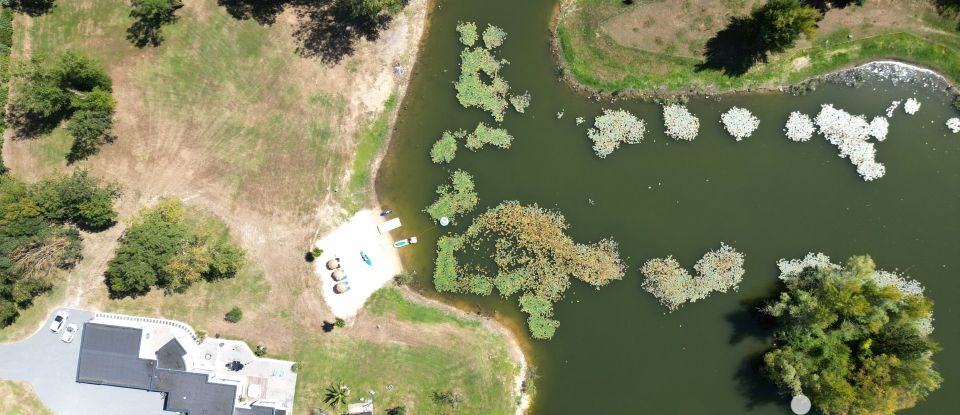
(852,338)
(779,23)
(149,18)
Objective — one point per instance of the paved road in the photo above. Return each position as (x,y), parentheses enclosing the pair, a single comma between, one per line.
(50,365)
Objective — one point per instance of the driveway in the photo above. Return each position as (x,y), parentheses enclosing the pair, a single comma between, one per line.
(50,366)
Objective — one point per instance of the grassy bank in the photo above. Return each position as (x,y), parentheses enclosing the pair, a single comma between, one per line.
(442,352)
(595,60)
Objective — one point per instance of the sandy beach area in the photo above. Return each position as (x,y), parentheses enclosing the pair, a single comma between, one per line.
(345,243)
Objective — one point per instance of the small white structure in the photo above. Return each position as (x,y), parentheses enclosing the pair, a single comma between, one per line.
(800,404)
(389,225)
(362,408)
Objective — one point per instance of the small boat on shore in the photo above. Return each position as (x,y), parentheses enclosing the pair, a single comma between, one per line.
(404,242)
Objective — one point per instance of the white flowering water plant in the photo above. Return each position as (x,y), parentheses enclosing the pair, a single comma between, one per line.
(680,123)
(893,107)
(850,134)
(613,128)
(739,122)
(911,106)
(800,127)
(953,125)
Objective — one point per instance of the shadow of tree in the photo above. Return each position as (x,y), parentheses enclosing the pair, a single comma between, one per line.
(749,322)
(752,385)
(326,29)
(735,49)
(32,7)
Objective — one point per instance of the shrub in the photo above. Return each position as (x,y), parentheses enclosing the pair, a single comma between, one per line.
(169,248)
(340,323)
(397,410)
(78,198)
(234,315)
(260,351)
(779,23)
(403,279)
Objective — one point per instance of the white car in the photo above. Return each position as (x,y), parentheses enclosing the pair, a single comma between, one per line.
(58,321)
(69,334)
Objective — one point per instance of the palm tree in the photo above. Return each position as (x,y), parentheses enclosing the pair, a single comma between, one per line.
(336,395)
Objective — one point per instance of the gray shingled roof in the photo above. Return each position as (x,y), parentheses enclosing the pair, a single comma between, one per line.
(191,393)
(170,356)
(109,355)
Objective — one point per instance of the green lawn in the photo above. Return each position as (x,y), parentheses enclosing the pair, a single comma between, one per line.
(473,362)
(596,61)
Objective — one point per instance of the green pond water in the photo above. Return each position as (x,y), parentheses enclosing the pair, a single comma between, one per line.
(617,350)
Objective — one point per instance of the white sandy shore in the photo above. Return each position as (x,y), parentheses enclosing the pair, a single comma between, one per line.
(346,242)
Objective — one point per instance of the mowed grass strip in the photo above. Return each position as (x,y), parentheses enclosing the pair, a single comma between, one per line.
(596,61)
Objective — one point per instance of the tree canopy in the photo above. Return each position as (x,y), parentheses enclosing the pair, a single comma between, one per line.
(149,18)
(74,88)
(852,338)
(38,232)
(169,247)
(780,22)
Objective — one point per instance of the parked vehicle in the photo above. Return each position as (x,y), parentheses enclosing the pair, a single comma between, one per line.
(58,321)
(70,333)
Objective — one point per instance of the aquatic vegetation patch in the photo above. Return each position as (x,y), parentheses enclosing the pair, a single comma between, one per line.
(799,127)
(879,127)
(669,282)
(472,90)
(953,125)
(893,107)
(614,127)
(853,338)
(849,134)
(580,120)
(445,149)
(454,199)
(739,122)
(468,33)
(680,123)
(493,36)
(520,102)
(485,134)
(532,256)
(911,106)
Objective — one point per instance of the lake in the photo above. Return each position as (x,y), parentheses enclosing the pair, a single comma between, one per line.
(617,350)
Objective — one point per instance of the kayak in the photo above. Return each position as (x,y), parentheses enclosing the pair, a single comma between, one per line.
(404,242)
(366,258)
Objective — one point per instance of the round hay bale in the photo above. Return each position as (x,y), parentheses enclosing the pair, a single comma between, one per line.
(333,264)
(800,404)
(337,275)
(339,288)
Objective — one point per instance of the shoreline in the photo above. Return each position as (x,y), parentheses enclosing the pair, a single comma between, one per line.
(565,7)
(514,346)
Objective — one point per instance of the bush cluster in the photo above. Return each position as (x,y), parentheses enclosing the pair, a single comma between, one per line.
(39,232)
(73,88)
(168,247)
